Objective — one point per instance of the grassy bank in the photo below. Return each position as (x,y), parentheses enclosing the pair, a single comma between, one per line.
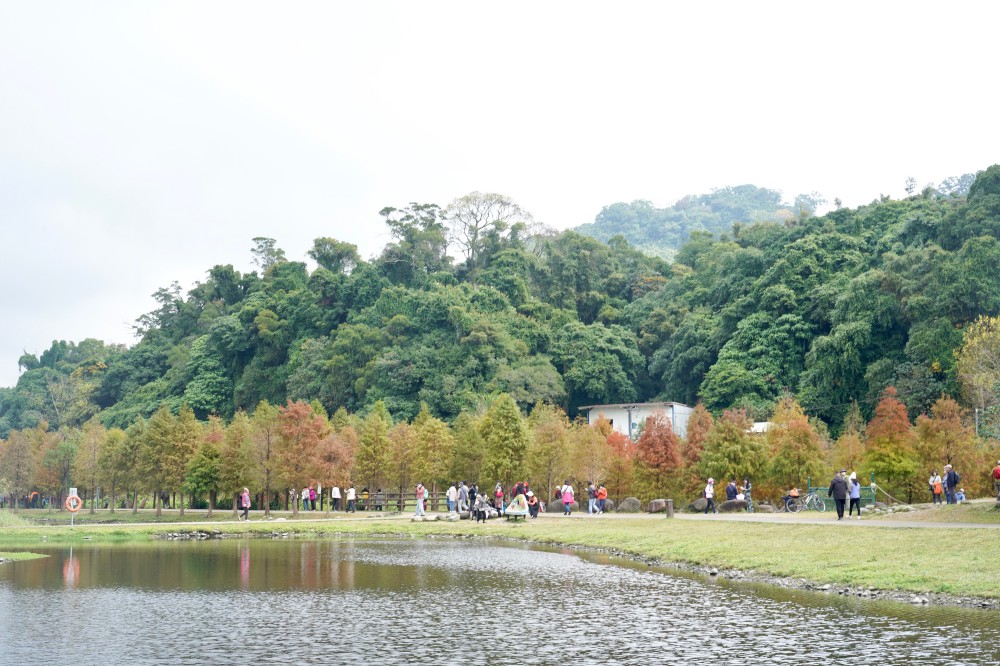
(19,556)
(912,559)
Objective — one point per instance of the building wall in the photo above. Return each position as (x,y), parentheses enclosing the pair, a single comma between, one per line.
(619,417)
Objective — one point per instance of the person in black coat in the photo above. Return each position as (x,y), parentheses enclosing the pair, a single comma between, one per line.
(951,481)
(838,491)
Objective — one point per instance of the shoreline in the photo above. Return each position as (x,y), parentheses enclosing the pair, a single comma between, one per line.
(896,568)
(751,576)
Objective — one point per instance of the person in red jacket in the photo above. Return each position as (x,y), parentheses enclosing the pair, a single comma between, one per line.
(996,480)
(602,496)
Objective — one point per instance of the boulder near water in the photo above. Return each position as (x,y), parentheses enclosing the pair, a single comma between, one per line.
(657,506)
(698,505)
(556,506)
(630,505)
(732,506)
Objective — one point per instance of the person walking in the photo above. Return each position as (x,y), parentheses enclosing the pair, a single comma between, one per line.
(567,498)
(245,504)
(463,497)
(352,506)
(854,491)
(421,493)
(951,481)
(937,487)
(710,496)
(335,497)
(305,498)
(602,498)
(452,498)
(312,496)
(838,491)
(591,498)
(996,480)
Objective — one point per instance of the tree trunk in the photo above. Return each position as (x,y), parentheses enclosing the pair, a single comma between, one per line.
(235,505)
(295,502)
(211,502)
(267,494)
(181,505)
(93,498)
(158,503)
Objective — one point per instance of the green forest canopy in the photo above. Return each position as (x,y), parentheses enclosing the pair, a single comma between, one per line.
(832,309)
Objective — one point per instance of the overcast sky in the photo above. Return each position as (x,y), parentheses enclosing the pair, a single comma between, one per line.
(142,143)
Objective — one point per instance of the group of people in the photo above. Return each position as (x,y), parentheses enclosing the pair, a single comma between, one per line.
(947,486)
(842,488)
(733,492)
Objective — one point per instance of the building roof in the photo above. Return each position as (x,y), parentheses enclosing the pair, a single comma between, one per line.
(626,405)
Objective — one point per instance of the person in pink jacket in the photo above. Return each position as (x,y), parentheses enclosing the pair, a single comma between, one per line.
(567,498)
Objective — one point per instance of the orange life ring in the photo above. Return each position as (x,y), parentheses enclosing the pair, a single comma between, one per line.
(73,503)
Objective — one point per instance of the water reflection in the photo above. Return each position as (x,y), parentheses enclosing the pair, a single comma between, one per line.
(432,601)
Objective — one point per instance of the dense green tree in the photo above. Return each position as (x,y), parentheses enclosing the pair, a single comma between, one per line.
(86,467)
(372,461)
(599,363)
(265,430)
(731,452)
(110,463)
(17,466)
(157,458)
(506,440)
(335,256)
(236,458)
(204,469)
(794,444)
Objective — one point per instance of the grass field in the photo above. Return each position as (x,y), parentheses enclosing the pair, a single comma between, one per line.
(927,559)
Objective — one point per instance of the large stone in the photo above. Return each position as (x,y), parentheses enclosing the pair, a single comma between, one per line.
(732,506)
(556,506)
(609,505)
(657,506)
(764,508)
(630,505)
(698,505)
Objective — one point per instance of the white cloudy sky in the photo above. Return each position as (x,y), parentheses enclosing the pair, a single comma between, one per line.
(142,143)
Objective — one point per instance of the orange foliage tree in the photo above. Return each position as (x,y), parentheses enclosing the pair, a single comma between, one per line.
(890,452)
(658,453)
(945,437)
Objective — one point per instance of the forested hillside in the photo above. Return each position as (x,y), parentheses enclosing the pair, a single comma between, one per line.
(862,325)
(662,231)
(832,309)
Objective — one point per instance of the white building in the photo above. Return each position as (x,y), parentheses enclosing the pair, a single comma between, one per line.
(627,418)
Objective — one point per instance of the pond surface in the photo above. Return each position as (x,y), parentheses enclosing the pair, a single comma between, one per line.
(440,601)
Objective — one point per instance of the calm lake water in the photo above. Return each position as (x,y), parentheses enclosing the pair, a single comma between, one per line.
(434,602)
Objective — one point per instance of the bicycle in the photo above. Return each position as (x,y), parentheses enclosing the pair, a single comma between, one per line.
(810,501)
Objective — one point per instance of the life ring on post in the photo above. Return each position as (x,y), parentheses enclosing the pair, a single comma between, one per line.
(73,503)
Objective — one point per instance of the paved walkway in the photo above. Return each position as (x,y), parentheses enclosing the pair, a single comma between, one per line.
(803,518)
